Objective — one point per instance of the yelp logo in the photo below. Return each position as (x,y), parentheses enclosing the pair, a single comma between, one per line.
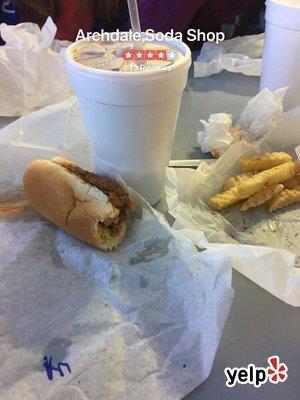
(275,372)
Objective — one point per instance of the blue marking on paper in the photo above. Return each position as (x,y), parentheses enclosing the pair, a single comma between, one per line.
(50,368)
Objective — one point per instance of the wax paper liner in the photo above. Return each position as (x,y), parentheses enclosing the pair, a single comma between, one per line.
(31,68)
(254,124)
(239,55)
(141,322)
(273,263)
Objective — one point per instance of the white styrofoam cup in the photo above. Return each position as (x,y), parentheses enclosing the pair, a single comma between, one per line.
(131,117)
(281,59)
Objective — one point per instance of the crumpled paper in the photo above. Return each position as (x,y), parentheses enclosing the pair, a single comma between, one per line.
(260,117)
(264,247)
(239,55)
(141,322)
(32,69)
(216,134)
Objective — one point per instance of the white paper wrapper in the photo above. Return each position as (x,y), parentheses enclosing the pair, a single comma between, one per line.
(216,134)
(142,322)
(31,69)
(261,116)
(239,55)
(273,267)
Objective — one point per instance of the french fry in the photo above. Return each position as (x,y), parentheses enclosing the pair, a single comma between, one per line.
(236,180)
(269,177)
(262,196)
(237,193)
(285,198)
(253,184)
(265,161)
(225,199)
(292,183)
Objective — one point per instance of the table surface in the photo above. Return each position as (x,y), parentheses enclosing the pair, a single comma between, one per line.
(259,325)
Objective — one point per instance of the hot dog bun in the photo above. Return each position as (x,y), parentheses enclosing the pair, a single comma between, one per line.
(60,191)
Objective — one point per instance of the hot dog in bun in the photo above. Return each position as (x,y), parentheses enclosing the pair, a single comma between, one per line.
(86,205)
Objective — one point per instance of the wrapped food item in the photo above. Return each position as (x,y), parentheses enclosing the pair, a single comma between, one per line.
(88,206)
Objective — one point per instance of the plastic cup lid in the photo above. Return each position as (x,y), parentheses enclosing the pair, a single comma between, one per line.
(284,13)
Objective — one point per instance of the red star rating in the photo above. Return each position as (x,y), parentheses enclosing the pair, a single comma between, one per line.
(129,55)
(140,55)
(161,55)
(150,55)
